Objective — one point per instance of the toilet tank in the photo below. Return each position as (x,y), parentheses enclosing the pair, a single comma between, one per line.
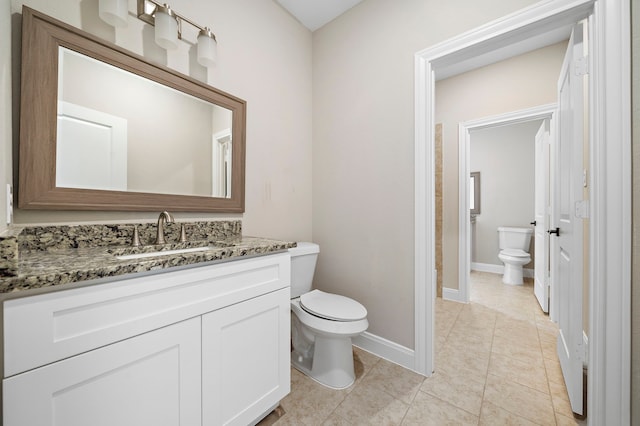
(514,238)
(303,266)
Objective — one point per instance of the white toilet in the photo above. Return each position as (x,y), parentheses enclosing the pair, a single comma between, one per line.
(514,252)
(322,324)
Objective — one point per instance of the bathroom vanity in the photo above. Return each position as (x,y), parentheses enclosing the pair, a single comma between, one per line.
(202,342)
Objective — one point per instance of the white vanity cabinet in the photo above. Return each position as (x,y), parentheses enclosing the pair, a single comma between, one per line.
(201,346)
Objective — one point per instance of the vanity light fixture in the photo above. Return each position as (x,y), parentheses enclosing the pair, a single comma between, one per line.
(168,30)
(113,12)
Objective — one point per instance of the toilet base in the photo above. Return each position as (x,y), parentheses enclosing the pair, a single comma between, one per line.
(331,364)
(512,274)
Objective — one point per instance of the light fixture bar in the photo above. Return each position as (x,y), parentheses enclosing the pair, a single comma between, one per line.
(147,10)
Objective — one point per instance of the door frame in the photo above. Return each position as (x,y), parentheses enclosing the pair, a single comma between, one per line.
(464,168)
(610,183)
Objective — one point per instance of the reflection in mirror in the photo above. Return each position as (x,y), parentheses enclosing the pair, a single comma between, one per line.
(156,139)
(474,193)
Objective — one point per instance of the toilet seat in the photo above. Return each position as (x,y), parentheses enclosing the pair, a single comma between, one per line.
(332,306)
(327,327)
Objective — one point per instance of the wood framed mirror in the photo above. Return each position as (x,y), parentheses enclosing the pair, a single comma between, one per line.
(101,128)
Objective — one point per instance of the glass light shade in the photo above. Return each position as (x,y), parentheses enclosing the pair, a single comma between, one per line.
(207,48)
(166,28)
(114,12)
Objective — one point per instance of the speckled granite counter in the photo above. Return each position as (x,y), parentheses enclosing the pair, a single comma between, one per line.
(58,264)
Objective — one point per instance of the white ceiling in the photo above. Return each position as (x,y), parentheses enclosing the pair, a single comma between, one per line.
(313,14)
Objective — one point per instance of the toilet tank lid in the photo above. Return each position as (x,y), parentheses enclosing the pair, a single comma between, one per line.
(515,229)
(304,248)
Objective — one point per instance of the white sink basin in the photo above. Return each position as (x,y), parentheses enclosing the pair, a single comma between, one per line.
(162,253)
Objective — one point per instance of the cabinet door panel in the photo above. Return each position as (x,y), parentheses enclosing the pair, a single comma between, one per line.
(245,359)
(152,379)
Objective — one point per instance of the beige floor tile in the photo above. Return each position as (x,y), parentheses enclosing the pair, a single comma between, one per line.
(309,402)
(371,405)
(520,400)
(560,399)
(509,327)
(493,415)
(363,362)
(554,371)
(428,410)
(519,349)
(447,310)
(519,372)
(465,363)
(549,347)
(477,314)
(569,421)
(397,381)
(459,391)
(336,420)
(442,331)
(544,323)
(467,339)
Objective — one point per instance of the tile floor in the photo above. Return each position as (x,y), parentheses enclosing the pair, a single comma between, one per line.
(495,365)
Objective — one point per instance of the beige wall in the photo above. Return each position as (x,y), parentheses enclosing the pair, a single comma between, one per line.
(522,82)
(5,108)
(635,269)
(504,156)
(265,58)
(363,150)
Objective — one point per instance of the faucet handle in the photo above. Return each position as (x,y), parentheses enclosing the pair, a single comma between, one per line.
(135,241)
(183,233)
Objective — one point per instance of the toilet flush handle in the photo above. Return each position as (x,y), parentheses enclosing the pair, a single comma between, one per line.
(554,231)
(533,223)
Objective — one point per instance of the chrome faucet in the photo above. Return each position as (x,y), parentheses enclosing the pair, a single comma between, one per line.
(165,217)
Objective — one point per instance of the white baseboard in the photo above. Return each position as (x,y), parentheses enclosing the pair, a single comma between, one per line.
(452,294)
(487,267)
(386,349)
(498,269)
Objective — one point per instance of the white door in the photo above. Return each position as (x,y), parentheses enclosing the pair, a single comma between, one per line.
(91,149)
(151,379)
(541,237)
(568,211)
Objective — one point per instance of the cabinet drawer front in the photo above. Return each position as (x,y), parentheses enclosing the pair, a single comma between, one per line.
(42,329)
(152,379)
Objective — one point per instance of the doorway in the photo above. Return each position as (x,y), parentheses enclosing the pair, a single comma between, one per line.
(610,225)
(537,114)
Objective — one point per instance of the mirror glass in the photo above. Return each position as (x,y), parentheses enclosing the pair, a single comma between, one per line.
(102,128)
(155,139)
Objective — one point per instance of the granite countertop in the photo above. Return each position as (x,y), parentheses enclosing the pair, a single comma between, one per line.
(38,269)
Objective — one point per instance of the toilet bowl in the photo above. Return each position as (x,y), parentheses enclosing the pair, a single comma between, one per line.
(513,260)
(514,245)
(322,324)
